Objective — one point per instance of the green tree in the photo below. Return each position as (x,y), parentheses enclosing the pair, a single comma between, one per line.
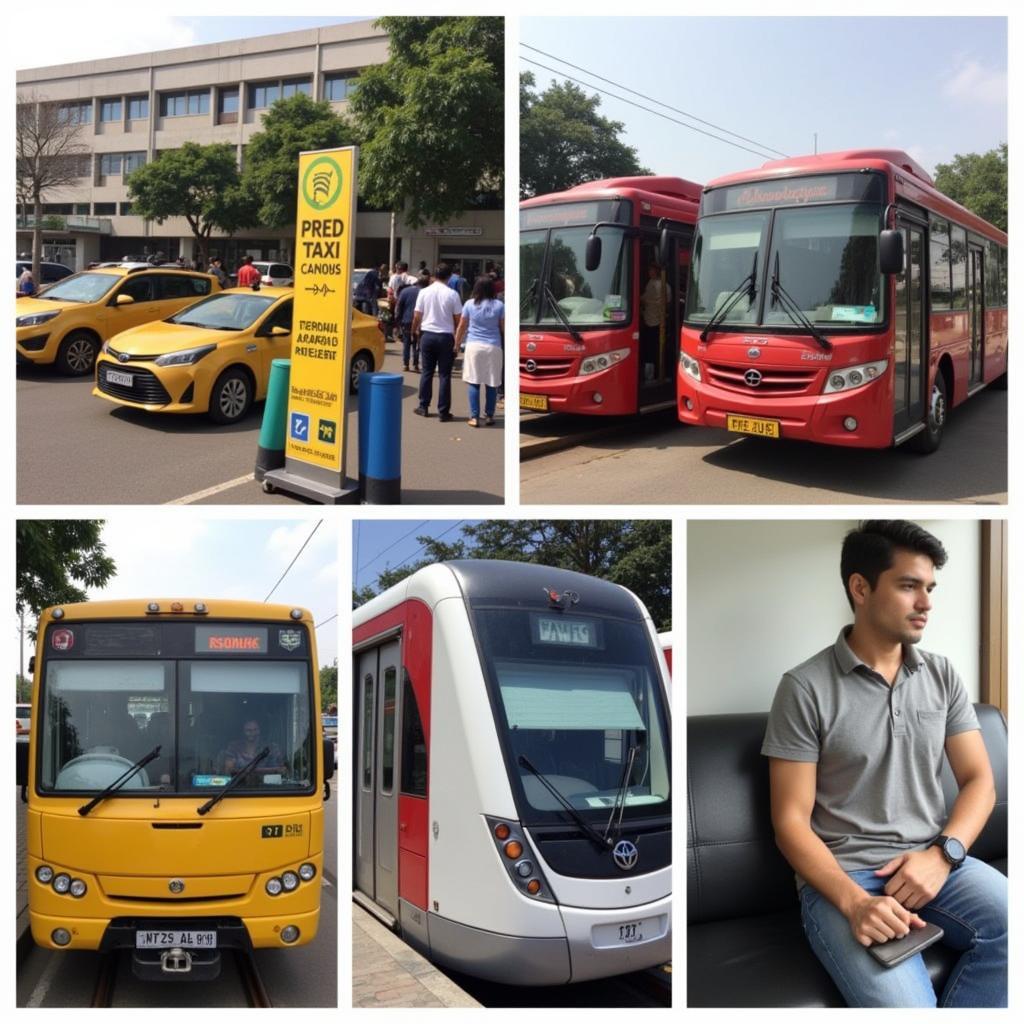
(979,182)
(199,183)
(56,560)
(635,554)
(431,118)
(328,686)
(564,141)
(290,127)
(22,689)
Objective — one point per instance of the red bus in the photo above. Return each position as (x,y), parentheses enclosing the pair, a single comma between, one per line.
(600,314)
(840,298)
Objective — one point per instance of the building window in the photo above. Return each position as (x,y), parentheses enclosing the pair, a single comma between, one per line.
(291,86)
(110,110)
(110,163)
(126,209)
(80,165)
(262,95)
(138,108)
(75,113)
(227,106)
(339,87)
(82,209)
(63,209)
(132,162)
(185,104)
(104,209)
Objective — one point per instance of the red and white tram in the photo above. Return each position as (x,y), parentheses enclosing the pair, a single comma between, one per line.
(512,795)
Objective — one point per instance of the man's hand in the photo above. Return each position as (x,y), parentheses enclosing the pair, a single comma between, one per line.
(879,919)
(918,877)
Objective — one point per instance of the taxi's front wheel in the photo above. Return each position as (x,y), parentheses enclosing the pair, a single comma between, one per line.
(77,354)
(231,397)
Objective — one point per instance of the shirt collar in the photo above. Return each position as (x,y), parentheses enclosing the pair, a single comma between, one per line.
(848,661)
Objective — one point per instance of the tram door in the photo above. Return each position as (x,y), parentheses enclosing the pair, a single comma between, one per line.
(976,311)
(377,681)
(910,337)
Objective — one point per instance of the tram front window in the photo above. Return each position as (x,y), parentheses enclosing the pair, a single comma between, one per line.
(581,705)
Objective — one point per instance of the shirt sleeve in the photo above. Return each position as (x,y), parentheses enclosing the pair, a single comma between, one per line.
(418,308)
(458,303)
(793,723)
(960,715)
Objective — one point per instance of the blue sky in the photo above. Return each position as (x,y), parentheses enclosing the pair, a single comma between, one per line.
(931,86)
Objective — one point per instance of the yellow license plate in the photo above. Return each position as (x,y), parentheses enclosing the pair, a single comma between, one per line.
(752,425)
(538,402)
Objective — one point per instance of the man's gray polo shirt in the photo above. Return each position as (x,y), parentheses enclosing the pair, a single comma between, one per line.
(878,748)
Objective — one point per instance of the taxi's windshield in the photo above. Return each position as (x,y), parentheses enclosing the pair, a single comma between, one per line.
(89,286)
(225,312)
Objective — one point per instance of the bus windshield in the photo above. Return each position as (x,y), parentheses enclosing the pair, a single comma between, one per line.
(210,717)
(575,695)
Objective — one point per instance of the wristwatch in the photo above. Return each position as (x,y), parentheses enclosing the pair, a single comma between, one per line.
(952,849)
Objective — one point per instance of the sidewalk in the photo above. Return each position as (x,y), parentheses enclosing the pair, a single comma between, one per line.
(387,972)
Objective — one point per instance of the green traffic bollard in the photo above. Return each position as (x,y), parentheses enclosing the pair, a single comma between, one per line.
(270,454)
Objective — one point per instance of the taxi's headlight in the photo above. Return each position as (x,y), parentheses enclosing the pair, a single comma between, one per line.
(854,376)
(186,357)
(35,319)
(594,364)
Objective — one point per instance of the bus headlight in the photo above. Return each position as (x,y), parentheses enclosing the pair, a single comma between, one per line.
(595,364)
(44,874)
(78,888)
(307,872)
(274,887)
(690,365)
(61,883)
(854,376)
(290,881)
(60,936)
(289,933)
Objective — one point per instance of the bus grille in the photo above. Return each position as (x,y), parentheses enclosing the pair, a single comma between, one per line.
(145,388)
(543,369)
(772,384)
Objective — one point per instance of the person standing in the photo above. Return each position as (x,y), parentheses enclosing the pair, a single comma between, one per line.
(404,312)
(367,292)
(216,268)
(653,306)
(26,283)
(248,275)
(435,320)
(482,325)
(457,282)
(855,741)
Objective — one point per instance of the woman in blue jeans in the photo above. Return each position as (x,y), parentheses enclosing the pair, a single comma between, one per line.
(483,328)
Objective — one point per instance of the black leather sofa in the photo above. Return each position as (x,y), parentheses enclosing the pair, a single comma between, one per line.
(745,943)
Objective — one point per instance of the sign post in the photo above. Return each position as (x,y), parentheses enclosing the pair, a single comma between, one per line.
(315,440)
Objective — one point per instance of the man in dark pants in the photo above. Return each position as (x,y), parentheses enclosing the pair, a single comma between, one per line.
(434,321)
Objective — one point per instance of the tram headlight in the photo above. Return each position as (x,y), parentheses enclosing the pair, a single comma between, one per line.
(274,887)
(524,869)
(854,376)
(44,874)
(78,888)
(513,849)
(307,872)
(690,365)
(595,364)
(61,883)
(290,881)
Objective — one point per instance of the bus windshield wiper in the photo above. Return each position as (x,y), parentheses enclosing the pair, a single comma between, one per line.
(120,781)
(620,797)
(795,313)
(563,319)
(235,782)
(748,285)
(592,832)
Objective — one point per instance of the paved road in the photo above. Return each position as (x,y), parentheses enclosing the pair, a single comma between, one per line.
(77,449)
(658,461)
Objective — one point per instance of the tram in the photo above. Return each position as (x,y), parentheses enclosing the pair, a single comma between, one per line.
(512,798)
(175,777)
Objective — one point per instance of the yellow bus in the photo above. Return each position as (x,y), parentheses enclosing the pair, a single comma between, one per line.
(175,777)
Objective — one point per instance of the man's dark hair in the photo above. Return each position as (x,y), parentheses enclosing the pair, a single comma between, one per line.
(442,272)
(869,549)
(402,266)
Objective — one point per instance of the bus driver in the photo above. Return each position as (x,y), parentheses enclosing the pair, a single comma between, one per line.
(240,752)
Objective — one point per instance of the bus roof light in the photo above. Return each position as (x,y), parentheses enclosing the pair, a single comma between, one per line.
(296,614)
(152,608)
(200,608)
(177,606)
(58,613)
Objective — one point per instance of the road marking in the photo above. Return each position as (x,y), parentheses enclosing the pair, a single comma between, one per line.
(210,491)
(42,989)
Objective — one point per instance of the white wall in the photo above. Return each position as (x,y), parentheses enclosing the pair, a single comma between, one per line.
(764,595)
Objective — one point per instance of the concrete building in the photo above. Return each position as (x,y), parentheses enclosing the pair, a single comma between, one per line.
(132,108)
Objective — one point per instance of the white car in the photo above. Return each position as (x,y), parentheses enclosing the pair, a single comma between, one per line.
(279,274)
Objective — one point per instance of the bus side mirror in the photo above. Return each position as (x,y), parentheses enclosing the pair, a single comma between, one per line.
(890,251)
(328,759)
(664,248)
(21,764)
(593,252)
(31,664)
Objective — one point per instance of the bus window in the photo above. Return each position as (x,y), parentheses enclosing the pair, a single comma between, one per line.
(941,281)
(958,259)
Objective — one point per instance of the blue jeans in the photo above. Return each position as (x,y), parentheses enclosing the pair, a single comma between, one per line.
(409,345)
(971,908)
(490,400)
(437,351)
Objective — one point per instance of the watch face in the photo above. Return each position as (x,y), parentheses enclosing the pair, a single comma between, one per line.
(955,850)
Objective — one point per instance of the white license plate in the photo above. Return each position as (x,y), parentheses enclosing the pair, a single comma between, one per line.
(175,937)
(626,933)
(116,377)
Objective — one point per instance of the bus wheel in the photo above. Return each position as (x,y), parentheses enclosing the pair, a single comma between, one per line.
(231,397)
(77,355)
(929,439)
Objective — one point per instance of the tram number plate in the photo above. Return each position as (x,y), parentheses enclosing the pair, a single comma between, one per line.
(625,934)
(752,425)
(538,402)
(165,940)
(116,377)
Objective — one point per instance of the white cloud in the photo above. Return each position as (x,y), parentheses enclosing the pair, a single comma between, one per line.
(86,36)
(971,82)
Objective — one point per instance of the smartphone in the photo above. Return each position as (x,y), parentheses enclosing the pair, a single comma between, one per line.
(895,951)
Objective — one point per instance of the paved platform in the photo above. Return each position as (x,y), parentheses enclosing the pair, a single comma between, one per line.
(388,973)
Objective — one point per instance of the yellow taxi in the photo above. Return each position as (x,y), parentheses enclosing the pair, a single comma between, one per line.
(68,322)
(215,356)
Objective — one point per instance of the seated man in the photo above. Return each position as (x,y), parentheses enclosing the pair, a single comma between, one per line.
(855,737)
(239,753)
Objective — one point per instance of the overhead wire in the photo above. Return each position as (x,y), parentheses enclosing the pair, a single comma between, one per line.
(295,559)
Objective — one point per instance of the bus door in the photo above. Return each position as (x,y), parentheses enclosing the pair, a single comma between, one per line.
(910,335)
(976,311)
(659,343)
(377,792)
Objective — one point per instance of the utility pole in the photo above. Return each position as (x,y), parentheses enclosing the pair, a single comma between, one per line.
(815,143)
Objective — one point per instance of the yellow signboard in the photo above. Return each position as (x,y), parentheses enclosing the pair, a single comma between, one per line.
(322,319)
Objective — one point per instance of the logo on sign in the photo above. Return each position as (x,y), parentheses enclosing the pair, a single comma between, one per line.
(290,639)
(62,639)
(300,426)
(321,184)
(625,854)
(326,431)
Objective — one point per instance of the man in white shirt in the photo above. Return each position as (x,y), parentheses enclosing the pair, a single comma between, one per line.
(434,321)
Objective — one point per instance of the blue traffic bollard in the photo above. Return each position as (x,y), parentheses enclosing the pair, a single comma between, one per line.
(380,438)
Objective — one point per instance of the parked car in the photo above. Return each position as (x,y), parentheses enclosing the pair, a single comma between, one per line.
(278,274)
(23,719)
(69,322)
(48,272)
